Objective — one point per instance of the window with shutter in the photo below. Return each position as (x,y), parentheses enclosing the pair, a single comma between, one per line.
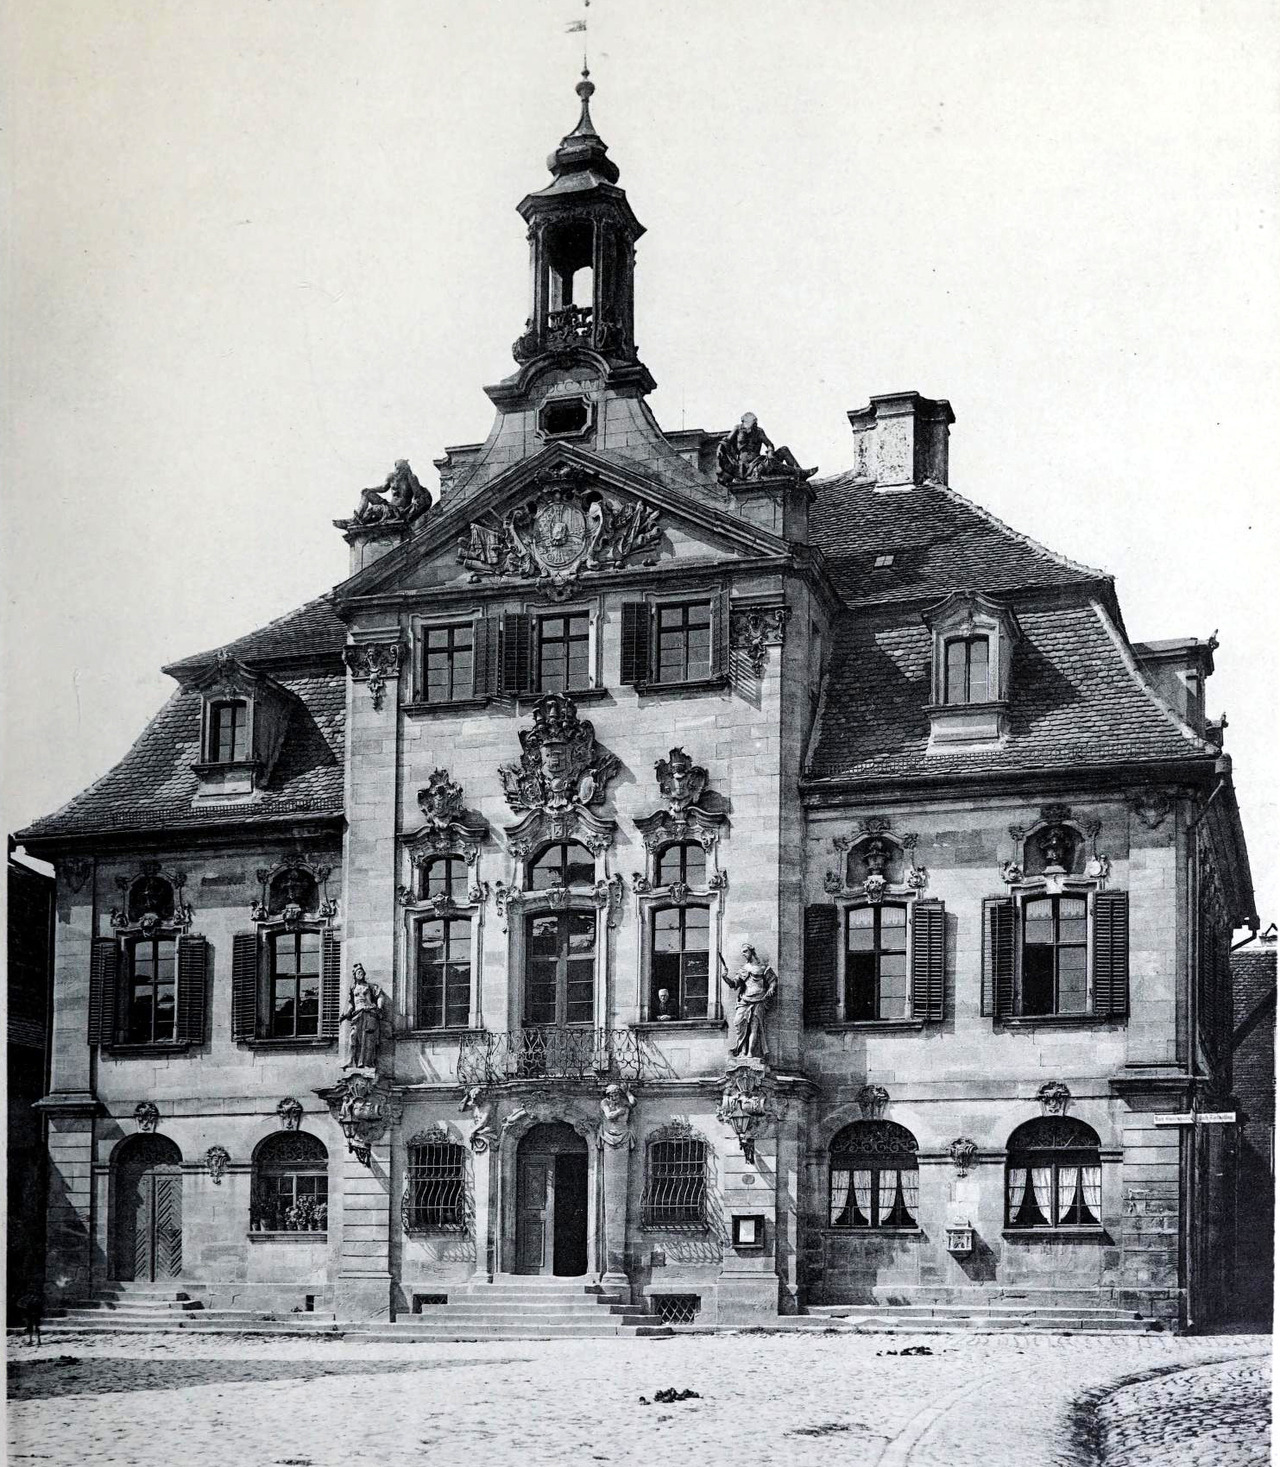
(517,653)
(330,986)
(192,987)
(999,944)
(820,964)
(488,664)
(928,960)
(1111,953)
(104,984)
(244,986)
(635,643)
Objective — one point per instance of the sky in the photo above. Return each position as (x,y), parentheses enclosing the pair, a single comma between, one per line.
(257,250)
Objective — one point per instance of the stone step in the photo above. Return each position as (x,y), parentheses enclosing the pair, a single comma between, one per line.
(560,1310)
(496,1331)
(958,1311)
(150,1306)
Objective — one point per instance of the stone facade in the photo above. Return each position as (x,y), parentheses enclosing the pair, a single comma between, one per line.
(725,699)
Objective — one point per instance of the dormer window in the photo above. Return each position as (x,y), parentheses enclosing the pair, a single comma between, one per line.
(228,733)
(973,639)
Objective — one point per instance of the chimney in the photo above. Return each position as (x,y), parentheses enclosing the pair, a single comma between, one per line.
(900,440)
(1180,668)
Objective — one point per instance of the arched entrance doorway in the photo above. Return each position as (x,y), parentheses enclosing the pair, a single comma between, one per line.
(551,1201)
(148,1242)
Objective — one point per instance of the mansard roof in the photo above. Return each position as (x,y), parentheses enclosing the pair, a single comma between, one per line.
(1077,699)
(939,541)
(153,787)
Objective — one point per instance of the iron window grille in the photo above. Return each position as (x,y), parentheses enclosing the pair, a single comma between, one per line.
(681,962)
(295,985)
(967,674)
(1055,974)
(228,733)
(875,976)
(152,990)
(290,1185)
(684,642)
(677,1308)
(1054,1175)
(564,652)
(435,1188)
(875,1177)
(448,663)
(444,973)
(675,1186)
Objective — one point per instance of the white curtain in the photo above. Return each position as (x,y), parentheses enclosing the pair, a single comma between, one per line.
(910,1192)
(1092,1178)
(839,1194)
(888,1195)
(862,1193)
(1017,1190)
(1068,1181)
(1042,1190)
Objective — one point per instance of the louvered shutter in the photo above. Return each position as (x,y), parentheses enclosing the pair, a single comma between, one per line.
(517,652)
(192,982)
(487,667)
(244,986)
(635,643)
(330,985)
(820,964)
(1111,953)
(929,960)
(104,986)
(999,939)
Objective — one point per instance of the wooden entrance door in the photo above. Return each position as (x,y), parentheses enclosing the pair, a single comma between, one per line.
(149,1222)
(551,1202)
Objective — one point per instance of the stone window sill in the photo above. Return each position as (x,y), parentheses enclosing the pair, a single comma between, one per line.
(579,695)
(1033,1021)
(651,1025)
(288,1044)
(886,1026)
(288,1237)
(140,1049)
(711,684)
(1080,1234)
(454,1031)
(837,1232)
(454,705)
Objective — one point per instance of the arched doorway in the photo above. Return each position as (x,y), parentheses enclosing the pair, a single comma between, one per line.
(148,1243)
(551,1201)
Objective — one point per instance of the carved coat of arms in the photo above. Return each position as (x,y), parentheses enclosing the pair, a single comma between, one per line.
(562,766)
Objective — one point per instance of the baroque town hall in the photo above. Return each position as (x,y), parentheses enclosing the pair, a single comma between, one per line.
(734,891)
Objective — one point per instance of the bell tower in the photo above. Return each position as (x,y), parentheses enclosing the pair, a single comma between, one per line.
(582,237)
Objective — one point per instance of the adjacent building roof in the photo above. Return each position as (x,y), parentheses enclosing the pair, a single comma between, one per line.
(1076,698)
(939,542)
(154,785)
(306,634)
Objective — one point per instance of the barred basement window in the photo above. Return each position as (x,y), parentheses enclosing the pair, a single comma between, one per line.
(435,1188)
(677,1308)
(290,1184)
(875,1176)
(675,1186)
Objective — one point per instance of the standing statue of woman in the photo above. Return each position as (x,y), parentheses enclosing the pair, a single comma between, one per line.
(755,983)
(365,1014)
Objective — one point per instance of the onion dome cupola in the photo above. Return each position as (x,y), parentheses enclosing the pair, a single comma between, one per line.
(582,236)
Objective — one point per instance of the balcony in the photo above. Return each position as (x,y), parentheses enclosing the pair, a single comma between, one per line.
(557,1054)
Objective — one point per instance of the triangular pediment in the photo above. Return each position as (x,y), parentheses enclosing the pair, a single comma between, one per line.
(559,520)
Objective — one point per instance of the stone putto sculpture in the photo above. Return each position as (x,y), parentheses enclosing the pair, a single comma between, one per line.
(747,454)
(755,983)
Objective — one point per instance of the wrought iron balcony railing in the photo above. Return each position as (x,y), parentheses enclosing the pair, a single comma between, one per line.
(549,1053)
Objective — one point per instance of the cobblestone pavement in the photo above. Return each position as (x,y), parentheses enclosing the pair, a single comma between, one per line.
(799,1399)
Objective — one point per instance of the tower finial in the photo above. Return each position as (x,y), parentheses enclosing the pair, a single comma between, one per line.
(586,89)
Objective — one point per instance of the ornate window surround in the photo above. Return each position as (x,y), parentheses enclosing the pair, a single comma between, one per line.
(437,1134)
(967,614)
(449,830)
(292,918)
(126,930)
(680,1132)
(876,844)
(267,712)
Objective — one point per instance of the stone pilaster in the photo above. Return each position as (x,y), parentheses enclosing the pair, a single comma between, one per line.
(614,1167)
(364,1264)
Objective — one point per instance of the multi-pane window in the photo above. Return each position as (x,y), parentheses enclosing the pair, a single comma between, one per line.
(291,1184)
(152,986)
(295,985)
(875,1177)
(1054,1177)
(681,958)
(967,671)
(444,973)
(565,863)
(228,733)
(560,965)
(684,862)
(444,876)
(1054,955)
(875,972)
(564,652)
(435,1188)
(684,642)
(448,663)
(675,1185)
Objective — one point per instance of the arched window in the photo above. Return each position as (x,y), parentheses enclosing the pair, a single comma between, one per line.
(967,672)
(675,1184)
(1054,1177)
(290,1184)
(563,863)
(875,1176)
(435,1186)
(682,861)
(444,876)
